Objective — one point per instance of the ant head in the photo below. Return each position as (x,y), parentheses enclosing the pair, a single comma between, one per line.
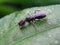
(21,23)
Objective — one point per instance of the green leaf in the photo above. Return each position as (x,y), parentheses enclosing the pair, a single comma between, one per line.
(43,32)
(30,3)
(4,10)
(8,6)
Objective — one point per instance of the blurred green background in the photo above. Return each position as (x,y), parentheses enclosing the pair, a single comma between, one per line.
(10,6)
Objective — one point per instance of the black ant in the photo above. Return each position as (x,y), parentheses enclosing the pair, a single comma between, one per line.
(39,15)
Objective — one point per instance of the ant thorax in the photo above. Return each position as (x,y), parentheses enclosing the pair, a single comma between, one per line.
(29,19)
(40,14)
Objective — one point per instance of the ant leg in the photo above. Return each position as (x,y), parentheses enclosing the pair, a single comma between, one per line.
(41,20)
(19,27)
(33,23)
(33,20)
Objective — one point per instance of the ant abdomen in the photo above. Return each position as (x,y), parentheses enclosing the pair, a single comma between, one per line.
(40,16)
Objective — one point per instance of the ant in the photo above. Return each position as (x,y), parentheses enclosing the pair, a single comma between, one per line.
(38,15)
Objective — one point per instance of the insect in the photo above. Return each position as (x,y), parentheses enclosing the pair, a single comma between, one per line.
(38,15)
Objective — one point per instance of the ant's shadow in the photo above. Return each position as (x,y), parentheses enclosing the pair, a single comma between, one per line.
(36,23)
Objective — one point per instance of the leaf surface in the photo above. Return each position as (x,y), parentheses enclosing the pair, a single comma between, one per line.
(42,32)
